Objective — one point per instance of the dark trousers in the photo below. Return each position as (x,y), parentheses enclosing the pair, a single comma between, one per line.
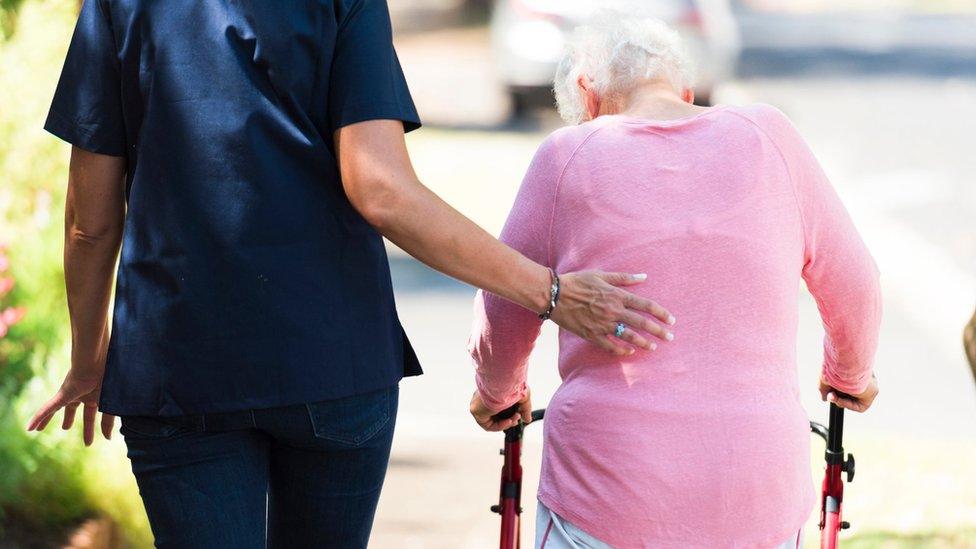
(298,476)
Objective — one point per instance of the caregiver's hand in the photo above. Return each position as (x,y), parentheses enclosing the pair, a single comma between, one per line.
(77,390)
(591,304)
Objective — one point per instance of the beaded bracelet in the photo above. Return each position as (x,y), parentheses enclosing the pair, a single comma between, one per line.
(553,295)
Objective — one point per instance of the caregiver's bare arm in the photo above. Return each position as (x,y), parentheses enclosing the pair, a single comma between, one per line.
(380,182)
(93,219)
(94,216)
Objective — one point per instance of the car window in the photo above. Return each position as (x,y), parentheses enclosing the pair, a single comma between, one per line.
(670,11)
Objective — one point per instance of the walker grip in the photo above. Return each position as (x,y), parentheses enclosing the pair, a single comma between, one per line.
(507,413)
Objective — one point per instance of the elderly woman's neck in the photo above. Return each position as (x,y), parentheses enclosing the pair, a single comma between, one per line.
(654,100)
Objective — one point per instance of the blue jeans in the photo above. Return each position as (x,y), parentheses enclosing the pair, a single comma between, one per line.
(297,476)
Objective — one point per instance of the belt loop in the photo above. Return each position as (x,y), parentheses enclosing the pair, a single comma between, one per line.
(254,422)
(203,422)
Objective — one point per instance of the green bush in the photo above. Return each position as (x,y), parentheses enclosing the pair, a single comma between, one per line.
(49,481)
(8,16)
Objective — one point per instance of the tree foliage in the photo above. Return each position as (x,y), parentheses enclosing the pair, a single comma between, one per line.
(8,16)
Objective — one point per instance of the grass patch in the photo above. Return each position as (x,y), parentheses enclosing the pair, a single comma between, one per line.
(923,498)
(914,540)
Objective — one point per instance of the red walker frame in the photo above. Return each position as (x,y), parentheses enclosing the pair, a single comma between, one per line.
(831,501)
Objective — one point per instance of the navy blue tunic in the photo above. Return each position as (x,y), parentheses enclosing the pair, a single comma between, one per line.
(247,280)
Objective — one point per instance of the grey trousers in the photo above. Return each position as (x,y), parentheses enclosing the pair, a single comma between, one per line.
(552,532)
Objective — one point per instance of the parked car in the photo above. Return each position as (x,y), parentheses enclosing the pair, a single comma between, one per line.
(528,37)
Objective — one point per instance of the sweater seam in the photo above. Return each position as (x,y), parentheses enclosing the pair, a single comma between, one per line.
(827,365)
(789,174)
(558,184)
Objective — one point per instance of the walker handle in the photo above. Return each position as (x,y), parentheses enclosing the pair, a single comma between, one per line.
(507,413)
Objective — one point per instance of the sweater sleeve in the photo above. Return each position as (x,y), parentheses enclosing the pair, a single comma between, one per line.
(504,334)
(837,268)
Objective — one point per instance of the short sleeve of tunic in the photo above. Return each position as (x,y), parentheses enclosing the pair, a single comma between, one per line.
(368,82)
(87,106)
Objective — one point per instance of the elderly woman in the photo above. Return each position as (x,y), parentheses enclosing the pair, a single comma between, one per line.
(702,443)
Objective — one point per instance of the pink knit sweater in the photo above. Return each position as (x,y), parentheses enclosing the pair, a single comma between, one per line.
(702,443)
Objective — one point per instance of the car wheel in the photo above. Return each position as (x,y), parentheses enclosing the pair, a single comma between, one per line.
(521,102)
(525,100)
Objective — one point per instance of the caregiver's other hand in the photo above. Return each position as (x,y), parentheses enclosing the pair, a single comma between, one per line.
(855,403)
(487,420)
(77,390)
(591,304)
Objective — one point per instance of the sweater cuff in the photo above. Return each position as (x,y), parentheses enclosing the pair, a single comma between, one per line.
(499,403)
(851,386)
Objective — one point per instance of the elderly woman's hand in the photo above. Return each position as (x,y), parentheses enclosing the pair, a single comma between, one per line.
(591,305)
(489,420)
(855,403)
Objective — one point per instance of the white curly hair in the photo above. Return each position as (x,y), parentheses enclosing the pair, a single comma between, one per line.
(616,50)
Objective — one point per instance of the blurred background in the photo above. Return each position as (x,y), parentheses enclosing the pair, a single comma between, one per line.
(884,91)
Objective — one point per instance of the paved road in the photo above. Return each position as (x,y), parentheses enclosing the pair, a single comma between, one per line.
(898,146)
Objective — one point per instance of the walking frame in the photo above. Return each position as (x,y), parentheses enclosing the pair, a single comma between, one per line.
(509,504)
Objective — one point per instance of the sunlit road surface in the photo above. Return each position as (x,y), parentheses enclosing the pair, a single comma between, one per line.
(898,149)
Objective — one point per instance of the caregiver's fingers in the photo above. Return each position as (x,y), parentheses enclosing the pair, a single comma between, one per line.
(108,425)
(47,411)
(604,342)
(641,323)
(636,340)
(636,303)
(69,415)
(622,279)
(91,410)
